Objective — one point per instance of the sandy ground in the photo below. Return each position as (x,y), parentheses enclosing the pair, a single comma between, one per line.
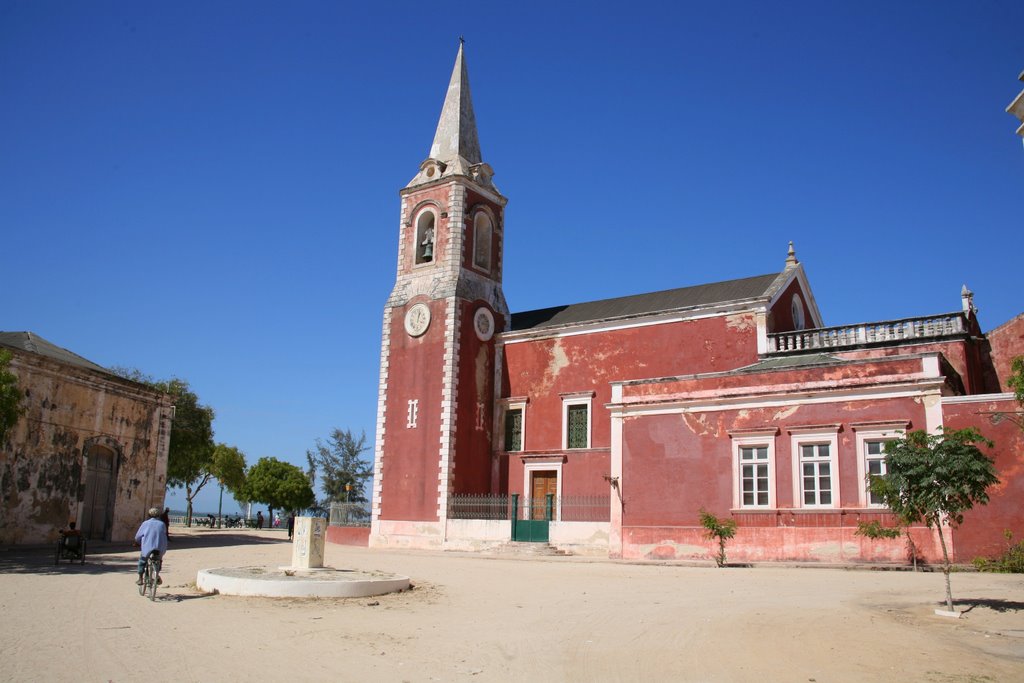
(476,618)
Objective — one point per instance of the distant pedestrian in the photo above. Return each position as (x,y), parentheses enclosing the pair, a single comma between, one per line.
(291,525)
(259,520)
(166,519)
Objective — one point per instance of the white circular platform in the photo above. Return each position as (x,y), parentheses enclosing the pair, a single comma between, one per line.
(325,582)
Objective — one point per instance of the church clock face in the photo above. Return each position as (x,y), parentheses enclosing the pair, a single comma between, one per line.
(417,320)
(483,324)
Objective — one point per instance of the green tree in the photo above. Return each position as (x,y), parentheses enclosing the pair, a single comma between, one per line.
(341,469)
(935,478)
(190,456)
(191,451)
(1016,380)
(11,408)
(228,467)
(280,485)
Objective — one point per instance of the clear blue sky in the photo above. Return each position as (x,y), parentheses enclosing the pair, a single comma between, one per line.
(209,190)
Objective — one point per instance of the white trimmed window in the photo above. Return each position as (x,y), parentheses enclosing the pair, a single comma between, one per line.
(871,440)
(514,427)
(874,466)
(576,414)
(482,232)
(754,470)
(815,467)
(816,475)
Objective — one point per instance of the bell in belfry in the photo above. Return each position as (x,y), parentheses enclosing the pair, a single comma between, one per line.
(428,244)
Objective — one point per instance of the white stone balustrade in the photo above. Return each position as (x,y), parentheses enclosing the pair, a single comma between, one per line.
(862,334)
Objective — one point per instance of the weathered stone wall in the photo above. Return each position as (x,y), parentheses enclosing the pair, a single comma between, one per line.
(981,534)
(43,465)
(1005,343)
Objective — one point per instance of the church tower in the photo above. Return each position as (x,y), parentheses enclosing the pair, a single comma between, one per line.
(437,365)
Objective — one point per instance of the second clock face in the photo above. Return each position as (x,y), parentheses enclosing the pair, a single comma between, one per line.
(483,324)
(417,320)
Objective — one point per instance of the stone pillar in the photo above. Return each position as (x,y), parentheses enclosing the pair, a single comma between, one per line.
(308,542)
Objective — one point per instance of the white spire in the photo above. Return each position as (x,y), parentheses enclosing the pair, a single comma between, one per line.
(456,129)
(456,148)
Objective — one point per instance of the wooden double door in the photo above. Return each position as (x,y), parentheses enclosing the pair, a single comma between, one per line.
(543,484)
(531,519)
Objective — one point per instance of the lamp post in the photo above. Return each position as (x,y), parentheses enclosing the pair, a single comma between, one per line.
(220,506)
(348,512)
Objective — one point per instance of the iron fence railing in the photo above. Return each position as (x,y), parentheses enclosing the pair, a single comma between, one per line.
(499,507)
(349,514)
(478,506)
(585,508)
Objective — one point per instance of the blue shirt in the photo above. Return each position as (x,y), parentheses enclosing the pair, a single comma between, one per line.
(153,536)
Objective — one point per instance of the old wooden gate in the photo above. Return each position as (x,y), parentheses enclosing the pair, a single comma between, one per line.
(99,487)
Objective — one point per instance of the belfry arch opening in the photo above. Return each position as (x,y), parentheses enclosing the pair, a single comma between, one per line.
(482,236)
(425,238)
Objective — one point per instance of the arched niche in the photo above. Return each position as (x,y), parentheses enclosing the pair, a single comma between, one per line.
(483,237)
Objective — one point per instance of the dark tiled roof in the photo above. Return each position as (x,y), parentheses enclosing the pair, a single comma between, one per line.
(33,343)
(645,304)
(791,362)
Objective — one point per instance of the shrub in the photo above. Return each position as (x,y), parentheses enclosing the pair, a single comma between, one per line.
(1010,562)
(721,529)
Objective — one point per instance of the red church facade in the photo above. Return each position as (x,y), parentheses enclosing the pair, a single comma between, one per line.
(730,397)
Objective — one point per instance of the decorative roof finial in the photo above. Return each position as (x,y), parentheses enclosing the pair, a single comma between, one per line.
(791,255)
(967,300)
(462,41)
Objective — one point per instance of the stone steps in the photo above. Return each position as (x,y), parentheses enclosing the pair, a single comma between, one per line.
(530,549)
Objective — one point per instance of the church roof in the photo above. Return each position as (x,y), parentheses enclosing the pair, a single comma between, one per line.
(33,343)
(646,304)
(786,362)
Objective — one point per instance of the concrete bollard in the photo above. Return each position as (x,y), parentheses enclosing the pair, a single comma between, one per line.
(308,542)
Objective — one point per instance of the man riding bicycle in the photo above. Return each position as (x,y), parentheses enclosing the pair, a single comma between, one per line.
(152,535)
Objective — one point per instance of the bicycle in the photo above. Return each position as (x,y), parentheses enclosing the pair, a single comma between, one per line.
(150,575)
